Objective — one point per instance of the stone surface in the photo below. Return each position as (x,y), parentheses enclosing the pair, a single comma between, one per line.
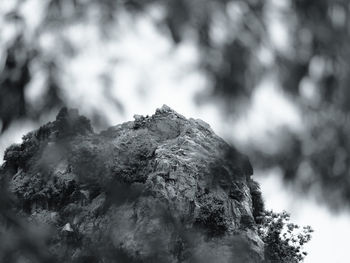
(157,189)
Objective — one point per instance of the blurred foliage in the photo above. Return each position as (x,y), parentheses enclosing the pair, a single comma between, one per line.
(232,37)
(13,80)
(314,73)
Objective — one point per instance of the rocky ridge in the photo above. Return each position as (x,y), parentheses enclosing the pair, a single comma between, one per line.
(161,188)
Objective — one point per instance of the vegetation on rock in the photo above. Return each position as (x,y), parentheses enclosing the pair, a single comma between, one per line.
(283,240)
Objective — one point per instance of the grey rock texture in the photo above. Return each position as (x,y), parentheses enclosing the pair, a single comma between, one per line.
(157,189)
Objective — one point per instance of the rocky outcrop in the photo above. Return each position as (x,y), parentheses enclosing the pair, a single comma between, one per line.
(157,189)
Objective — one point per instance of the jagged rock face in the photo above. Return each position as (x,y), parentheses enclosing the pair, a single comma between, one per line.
(158,189)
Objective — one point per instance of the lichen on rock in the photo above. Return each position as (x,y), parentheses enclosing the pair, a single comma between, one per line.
(161,188)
